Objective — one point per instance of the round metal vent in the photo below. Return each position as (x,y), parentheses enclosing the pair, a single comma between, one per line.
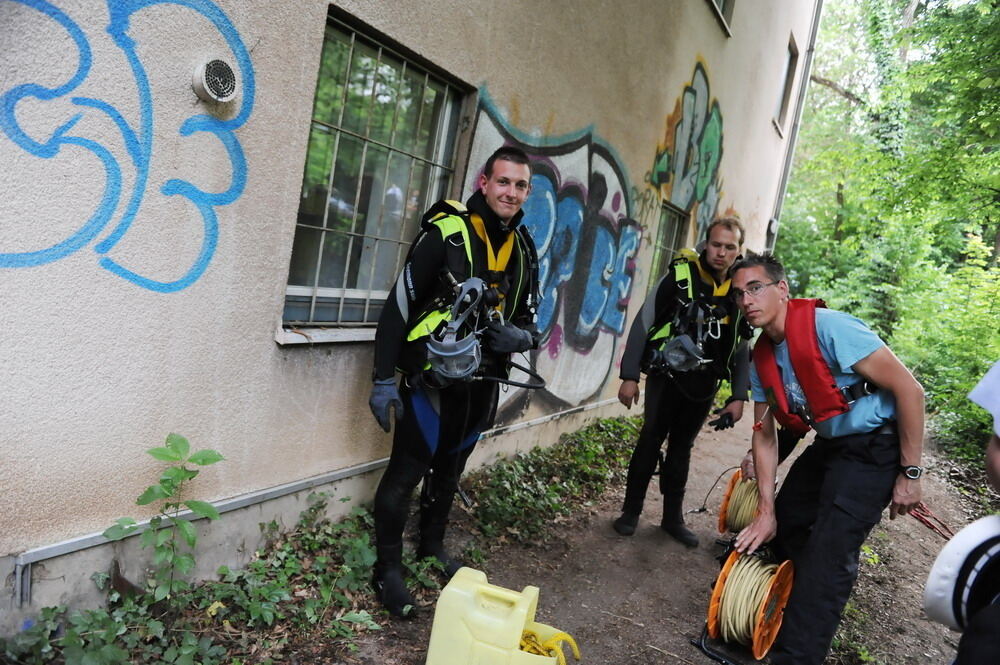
(215,81)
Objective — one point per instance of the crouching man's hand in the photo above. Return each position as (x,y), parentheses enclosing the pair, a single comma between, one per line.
(761,530)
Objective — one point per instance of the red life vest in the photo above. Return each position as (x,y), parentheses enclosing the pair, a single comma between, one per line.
(822,395)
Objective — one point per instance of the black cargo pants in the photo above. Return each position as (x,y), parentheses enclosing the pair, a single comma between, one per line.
(831,498)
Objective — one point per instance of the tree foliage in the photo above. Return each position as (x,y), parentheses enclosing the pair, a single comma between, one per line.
(894,200)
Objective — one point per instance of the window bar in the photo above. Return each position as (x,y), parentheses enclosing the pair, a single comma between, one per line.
(437,140)
(409,175)
(400,243)
(385,181)
(361,177)
(329,184)
(433,165)
(374,141)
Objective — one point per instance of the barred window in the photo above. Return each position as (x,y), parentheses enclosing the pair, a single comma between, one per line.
(381,148)
(669,240)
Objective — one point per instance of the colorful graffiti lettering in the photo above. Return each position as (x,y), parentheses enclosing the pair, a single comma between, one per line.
(136,139)
(686,168)
(579,216)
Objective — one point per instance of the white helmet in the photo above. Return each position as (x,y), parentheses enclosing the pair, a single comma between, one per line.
(965,576)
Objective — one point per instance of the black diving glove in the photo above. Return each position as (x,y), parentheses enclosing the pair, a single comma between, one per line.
(384,396)
(725,421)
(507,338)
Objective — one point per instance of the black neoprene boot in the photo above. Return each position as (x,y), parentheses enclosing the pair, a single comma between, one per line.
(433,522)
(625,525)
(389,583)
(673,520)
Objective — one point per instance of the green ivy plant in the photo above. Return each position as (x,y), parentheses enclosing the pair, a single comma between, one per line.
(167,529)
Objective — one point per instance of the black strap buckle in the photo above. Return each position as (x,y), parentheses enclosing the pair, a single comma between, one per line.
(856,391)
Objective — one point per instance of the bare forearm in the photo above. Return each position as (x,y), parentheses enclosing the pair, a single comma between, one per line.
(765,461)
(910,417)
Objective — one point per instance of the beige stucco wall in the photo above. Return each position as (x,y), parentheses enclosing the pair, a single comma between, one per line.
(96,368)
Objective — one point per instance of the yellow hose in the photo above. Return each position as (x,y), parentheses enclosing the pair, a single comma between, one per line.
(742,507)
(531,643)
(742,596)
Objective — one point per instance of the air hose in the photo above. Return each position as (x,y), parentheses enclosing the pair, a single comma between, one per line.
(739,504)
(748,599)
(745,588)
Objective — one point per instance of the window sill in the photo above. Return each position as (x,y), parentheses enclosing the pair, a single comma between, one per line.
(777,127)
(292,336)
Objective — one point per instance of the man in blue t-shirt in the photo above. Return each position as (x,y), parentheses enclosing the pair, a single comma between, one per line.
(866,454)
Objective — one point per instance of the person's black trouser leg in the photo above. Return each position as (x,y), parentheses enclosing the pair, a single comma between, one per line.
(668,414)
(832,497)
(646,454)
(438,432)
(688,417)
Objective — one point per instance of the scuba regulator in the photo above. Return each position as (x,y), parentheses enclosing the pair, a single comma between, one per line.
(454,354)
(695,323)
(454,351)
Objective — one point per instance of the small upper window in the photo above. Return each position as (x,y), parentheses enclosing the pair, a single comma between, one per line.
(381,149)
(784,99)
(669,239)
(723,10)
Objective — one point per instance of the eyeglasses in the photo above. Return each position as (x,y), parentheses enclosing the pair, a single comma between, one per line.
(754,290)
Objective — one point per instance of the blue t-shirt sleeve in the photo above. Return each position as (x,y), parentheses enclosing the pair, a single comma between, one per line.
(845,339)
(756,389)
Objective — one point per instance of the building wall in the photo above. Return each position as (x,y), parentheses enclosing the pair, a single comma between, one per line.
(146,235)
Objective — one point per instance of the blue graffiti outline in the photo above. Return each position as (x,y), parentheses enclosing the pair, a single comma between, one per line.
(51,148)
(556,141)
(138,145)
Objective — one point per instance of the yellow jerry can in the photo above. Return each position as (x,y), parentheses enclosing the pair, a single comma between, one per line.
(477,623)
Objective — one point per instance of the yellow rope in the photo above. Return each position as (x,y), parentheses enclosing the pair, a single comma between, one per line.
(742,506)
(552,647)
(742,595)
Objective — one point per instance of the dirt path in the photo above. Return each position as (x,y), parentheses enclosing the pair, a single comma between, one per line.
(642,599)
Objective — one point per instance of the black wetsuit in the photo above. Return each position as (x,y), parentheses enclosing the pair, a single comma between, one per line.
(677,403)
(440,426)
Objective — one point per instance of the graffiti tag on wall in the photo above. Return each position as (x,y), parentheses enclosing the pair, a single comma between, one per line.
(118,208)
(579,216)
(686,168)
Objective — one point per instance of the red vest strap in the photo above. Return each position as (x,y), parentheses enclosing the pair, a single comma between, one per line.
(822,395)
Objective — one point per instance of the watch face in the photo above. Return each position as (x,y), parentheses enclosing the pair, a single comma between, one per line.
(912,472)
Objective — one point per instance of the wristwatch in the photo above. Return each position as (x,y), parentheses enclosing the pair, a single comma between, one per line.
(912,472)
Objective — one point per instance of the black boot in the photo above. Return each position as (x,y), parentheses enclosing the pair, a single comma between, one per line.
(433,523)
(673,520)
(625,525)
(389,583)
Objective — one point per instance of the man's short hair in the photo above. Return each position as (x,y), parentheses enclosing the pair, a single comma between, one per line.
(732,223)
(768,261)
(508,153)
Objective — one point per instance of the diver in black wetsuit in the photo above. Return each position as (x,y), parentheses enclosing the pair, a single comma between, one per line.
(438,422)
